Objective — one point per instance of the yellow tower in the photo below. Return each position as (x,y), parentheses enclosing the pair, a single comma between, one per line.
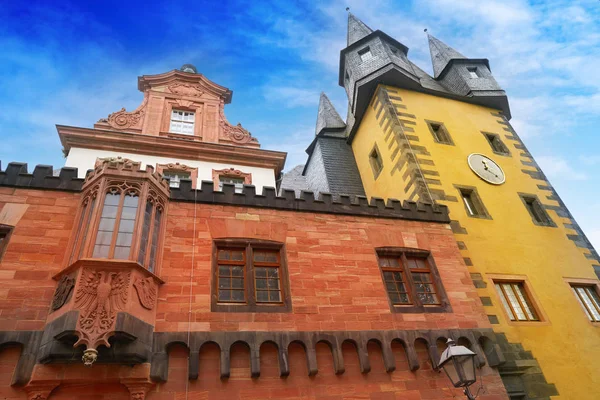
(446,138)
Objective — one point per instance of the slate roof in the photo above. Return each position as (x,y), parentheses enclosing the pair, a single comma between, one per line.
(356,29)
(441,54)
(294,180)
(327,116)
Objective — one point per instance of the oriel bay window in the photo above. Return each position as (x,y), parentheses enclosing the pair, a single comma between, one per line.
(249,276)
(121,218)
(411,280)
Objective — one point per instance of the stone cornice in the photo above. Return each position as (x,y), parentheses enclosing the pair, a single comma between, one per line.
(146,82)
(100,139)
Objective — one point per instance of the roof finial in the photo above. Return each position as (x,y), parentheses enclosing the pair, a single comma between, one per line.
(425,30)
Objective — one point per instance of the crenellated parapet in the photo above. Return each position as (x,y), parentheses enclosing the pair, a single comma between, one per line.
(16,175)
(306,202)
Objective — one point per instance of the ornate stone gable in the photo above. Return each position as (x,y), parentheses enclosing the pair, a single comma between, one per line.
(187,92)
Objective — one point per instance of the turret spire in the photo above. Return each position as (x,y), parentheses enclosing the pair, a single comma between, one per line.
(356,29)
(327,116)
(441,54)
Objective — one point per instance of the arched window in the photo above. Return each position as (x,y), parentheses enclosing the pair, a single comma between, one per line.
(81,233)
(117,222)
(151,229)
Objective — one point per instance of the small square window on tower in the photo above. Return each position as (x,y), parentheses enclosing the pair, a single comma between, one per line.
(375,161)
(516,301)
(473,72)
(472,202)
(182,122)
(535,208)
(587,295)
(439,132)
(496,143)
(365,54)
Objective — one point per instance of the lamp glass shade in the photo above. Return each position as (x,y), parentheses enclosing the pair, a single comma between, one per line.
(459,364)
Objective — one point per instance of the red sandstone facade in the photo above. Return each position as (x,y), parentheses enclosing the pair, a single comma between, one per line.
(118,286)
(334,282)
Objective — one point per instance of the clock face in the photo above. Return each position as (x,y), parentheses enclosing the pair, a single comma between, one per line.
(486,169)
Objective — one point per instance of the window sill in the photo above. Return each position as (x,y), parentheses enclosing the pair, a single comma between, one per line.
(107,263)
(251,308)
(412,309)
(182,136)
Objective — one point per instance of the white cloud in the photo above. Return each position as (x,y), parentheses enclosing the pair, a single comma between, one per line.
(289,96)
(558,168)
(294,144)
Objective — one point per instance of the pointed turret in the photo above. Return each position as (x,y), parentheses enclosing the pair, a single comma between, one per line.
(328,117)
(356,29)
(441,54)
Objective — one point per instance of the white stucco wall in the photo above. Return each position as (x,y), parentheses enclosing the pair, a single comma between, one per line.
(84,159)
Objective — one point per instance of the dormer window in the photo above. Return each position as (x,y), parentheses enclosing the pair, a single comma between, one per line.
(182,122)
(473,72)
(365,54)
(231,176)
(237,182)
(175,177)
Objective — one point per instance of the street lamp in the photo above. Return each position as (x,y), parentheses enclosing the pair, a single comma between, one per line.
(458,363)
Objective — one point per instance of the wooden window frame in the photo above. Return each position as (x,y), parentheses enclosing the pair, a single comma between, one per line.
(251,305)
(530,294)
(181,168)
(7,231)
(123,192)
(525,304)
(192,123)
(489,136)
(549,222)
(230,173)
(377,169)
(590,283)
(434,134)
(482,212)
(415,306)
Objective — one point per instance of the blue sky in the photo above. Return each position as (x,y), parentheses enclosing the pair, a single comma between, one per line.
(75,62)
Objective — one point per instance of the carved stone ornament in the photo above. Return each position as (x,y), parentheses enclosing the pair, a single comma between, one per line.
(123,119)
(146,291)
(101,294)
(186,89)
(63,292)
(236,134)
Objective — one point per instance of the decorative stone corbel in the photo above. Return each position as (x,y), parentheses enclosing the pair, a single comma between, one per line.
(40,390)
(138,387)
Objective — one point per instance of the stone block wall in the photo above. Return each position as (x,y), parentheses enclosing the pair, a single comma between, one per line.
(338,303)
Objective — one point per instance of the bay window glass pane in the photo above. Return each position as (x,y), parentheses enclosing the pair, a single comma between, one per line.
(126,227)
(145,233)
(86,226)
(155,238)
(107,225)
(79,232)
